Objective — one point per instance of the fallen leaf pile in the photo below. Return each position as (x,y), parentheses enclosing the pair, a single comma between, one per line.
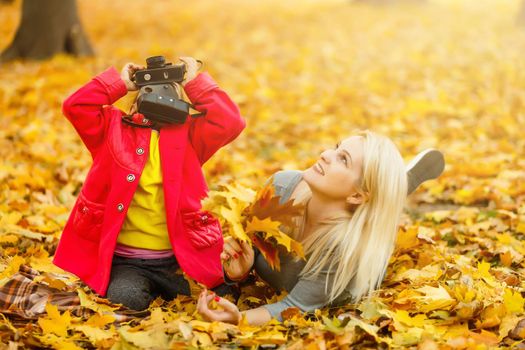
(447,74)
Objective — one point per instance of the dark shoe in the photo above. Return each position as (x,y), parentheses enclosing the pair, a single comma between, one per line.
(427,165)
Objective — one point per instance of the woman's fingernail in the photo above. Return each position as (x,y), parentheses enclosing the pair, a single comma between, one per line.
(217,298)
(236,256)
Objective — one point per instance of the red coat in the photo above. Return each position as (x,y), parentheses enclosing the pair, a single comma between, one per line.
(119,154)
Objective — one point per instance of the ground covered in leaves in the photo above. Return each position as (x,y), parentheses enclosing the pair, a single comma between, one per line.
(445,74)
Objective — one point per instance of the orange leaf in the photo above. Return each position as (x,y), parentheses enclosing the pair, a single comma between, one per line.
(267,206)
(269,251)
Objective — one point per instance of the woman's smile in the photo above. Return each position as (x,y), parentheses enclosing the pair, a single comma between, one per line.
(318,168)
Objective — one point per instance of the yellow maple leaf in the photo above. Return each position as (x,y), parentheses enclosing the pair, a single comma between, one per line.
(10,218)
(483,269)
(98,320)
(513,301)
(233,220)
(404,317)
(434,298)
(88,302)
(13,267)
(94,333)
(153,338)
(266,225)
(491,316)
(244,194)
(407,239)
(54,322)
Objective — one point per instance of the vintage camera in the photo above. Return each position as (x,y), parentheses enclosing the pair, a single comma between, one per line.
(159,71)
(159,99)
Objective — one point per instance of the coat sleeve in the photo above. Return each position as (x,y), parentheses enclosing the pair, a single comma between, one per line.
(222,121)
(87,108)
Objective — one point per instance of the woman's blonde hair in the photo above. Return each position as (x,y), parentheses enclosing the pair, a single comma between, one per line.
(357,247)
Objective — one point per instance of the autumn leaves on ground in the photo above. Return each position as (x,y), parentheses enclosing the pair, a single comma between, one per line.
(445,74)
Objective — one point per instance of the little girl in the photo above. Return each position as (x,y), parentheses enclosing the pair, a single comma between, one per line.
(138,216)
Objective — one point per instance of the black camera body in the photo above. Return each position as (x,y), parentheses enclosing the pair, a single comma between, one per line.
(161,104)
(159,99)
(159,71)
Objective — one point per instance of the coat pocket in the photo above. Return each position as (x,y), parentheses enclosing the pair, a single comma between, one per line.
(202,228)
(88,218)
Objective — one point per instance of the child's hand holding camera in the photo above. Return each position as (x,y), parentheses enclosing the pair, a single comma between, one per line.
(129,69)
(192,66)
(127,73)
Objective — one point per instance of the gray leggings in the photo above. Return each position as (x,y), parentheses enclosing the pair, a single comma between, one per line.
(135,283)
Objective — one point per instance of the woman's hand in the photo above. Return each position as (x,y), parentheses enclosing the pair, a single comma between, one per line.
(237,258)
(229,313)
(127,72)
(192,66)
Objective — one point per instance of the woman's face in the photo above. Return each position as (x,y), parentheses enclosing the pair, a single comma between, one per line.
(337,172)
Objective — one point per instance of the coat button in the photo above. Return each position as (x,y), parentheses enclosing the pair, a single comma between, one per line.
(131,178)
(85,209)
(120,207)
(140,151)
(145,121)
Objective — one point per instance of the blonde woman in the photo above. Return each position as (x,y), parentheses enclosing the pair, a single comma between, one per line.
(354,196)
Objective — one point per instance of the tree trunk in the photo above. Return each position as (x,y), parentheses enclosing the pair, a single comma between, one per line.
(48,27)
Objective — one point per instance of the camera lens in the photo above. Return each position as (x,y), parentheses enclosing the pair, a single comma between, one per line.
(155,62)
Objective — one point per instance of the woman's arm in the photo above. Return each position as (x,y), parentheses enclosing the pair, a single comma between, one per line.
(257,317)
(229,311)
(307,295)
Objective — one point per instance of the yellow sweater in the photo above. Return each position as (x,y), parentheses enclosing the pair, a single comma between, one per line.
(145,223)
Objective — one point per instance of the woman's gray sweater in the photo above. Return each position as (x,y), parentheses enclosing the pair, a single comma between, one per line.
(306,294)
